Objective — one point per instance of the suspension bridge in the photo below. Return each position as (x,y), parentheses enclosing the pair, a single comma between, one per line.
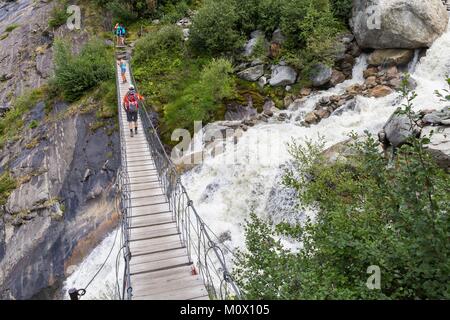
(169,252)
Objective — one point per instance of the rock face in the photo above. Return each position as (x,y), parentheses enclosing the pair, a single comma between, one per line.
(26,54)
(282,76)
(56,214)
(390,57)
(407,24)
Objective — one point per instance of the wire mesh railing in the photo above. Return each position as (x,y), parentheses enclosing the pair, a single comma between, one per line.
(125,199)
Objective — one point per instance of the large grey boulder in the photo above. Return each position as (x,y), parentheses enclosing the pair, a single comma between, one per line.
(283,76)
(397,130)
(321,75)
(407,24)
(252,73)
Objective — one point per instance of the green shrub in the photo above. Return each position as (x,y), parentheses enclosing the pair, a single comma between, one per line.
(203,99)
(312,38)
(214,28)
(58,15)
(172,12)
(368,213)
(342,9)
(107,96)
(168,39)
(7,185)
(12,122)
(74,74)
(121,11)
(34,124)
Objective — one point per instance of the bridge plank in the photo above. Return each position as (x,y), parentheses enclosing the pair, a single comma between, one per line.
(148,201)
(160,264)
(146,193)
(170,284)
(145,186)
(145,221)
(150,209)
(183,292)
(153,232)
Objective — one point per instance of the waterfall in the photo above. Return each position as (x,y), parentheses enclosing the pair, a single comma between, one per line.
(104,286)
(225,193)
(247,176)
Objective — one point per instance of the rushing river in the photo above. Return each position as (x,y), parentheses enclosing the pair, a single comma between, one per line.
(225,192)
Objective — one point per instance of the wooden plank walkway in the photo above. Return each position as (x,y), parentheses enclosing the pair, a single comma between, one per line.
(159,265)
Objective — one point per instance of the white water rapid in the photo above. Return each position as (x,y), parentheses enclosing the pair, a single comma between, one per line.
(225,192)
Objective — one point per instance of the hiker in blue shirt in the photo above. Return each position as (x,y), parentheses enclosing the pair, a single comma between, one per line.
(120,32)
(123,69)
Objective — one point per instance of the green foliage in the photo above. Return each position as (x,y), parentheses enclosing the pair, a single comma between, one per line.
(311,30)
(172,12)
(11,27)
(214,28)
(107,97)
(202,99)
(7,184)
(167,40)
(34,124)
(58,15)
(12,122)
(310,27)
(122,11)
(342,9)
(75,74)
(367,213)
(127,11)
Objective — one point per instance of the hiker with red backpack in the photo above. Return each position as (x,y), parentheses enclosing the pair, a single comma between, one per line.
(131,106)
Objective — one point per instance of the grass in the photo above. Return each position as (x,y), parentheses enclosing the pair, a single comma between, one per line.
(11,27)
(34,124)
(7,185)
(13,121)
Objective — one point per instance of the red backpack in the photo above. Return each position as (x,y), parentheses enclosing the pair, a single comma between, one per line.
(133,102)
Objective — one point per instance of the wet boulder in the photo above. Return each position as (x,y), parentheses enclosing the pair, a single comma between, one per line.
(321,75)
(252,73)
(282,76)
(407,24)
(390,57)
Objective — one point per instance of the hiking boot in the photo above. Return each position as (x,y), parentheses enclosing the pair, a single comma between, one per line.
(135,131)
